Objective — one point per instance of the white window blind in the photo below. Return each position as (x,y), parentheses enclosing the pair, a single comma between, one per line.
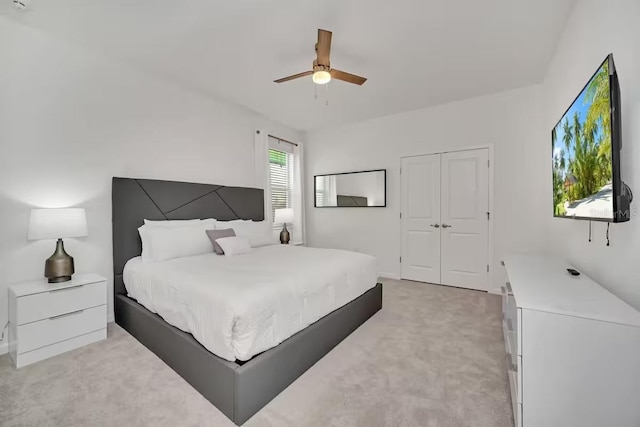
(281,169)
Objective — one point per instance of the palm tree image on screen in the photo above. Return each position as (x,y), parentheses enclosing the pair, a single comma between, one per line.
(582,166)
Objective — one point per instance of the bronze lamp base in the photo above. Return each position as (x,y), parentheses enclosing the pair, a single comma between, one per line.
(284,235)
(59,266)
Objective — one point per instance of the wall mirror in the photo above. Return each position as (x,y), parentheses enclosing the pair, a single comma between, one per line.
(351,189)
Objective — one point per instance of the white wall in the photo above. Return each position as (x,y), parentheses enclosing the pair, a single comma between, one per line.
(595,29)
(70,120)
(509,121)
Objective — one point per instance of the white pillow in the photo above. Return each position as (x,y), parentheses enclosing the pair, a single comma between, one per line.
(179,222)
(238,222)
(265,239)
(160,243)
(234,245)
(170,222)
(259,233)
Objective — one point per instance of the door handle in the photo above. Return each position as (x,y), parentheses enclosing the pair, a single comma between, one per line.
(435,225)
(445,226)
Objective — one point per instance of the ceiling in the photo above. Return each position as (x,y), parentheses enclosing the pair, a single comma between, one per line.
(415,53)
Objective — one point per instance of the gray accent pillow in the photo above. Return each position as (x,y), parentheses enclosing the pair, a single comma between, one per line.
(218,234)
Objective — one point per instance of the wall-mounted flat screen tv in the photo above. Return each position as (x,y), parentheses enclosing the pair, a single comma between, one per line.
(586,153)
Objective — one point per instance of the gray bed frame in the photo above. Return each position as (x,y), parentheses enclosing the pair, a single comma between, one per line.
(238,389)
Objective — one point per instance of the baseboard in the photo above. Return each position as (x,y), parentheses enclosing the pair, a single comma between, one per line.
(384,275)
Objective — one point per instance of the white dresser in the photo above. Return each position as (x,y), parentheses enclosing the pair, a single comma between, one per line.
(46,319)
(573,348)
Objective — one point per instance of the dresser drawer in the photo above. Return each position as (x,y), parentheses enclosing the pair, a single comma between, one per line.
(59,328)
(513,385)
(519,378)
(31,308)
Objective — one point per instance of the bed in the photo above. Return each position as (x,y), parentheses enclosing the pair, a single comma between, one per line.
(238,373)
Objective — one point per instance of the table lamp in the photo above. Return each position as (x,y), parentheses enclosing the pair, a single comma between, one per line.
(57,224)
(284,216)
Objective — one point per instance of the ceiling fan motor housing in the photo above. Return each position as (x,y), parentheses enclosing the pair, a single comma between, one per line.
(320,67)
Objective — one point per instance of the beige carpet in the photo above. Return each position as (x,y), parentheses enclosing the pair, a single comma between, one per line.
(433,356)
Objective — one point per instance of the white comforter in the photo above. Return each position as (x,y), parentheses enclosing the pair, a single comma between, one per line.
(239,306)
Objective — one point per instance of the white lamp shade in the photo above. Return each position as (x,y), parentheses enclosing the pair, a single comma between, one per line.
(283,216)
(57,223)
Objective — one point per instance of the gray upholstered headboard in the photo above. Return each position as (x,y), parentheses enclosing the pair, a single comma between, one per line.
(134,200)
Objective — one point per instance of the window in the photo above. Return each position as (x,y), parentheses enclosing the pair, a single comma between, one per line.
(281,170)
(325,190)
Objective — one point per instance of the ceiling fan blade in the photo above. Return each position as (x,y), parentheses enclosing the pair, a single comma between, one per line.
(295,76)
(346,77)
(324,47)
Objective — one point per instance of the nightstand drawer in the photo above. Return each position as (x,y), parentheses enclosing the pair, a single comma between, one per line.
(59,328)
(31,308)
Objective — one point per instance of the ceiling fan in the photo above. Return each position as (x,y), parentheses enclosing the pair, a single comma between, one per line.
(322,72)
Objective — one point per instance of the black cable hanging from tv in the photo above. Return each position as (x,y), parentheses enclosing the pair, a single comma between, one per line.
(589,231)
(608,224)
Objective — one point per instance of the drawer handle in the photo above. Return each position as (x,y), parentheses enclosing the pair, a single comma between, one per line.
(65,289)
(508,284)
(510,365)
(502,262)
(73,313)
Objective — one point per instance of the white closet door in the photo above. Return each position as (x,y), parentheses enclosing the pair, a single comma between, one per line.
(421,218)
(465,223)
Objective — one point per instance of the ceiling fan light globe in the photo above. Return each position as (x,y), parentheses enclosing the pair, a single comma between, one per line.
(321,77)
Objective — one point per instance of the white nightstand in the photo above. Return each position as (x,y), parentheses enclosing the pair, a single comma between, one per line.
(46,319)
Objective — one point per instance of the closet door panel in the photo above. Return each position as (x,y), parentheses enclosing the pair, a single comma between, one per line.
(420,210)
(465,223)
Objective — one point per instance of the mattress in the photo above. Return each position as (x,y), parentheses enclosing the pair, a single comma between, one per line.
(239,306)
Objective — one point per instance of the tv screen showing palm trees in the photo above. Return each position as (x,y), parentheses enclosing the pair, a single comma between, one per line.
(582,163)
